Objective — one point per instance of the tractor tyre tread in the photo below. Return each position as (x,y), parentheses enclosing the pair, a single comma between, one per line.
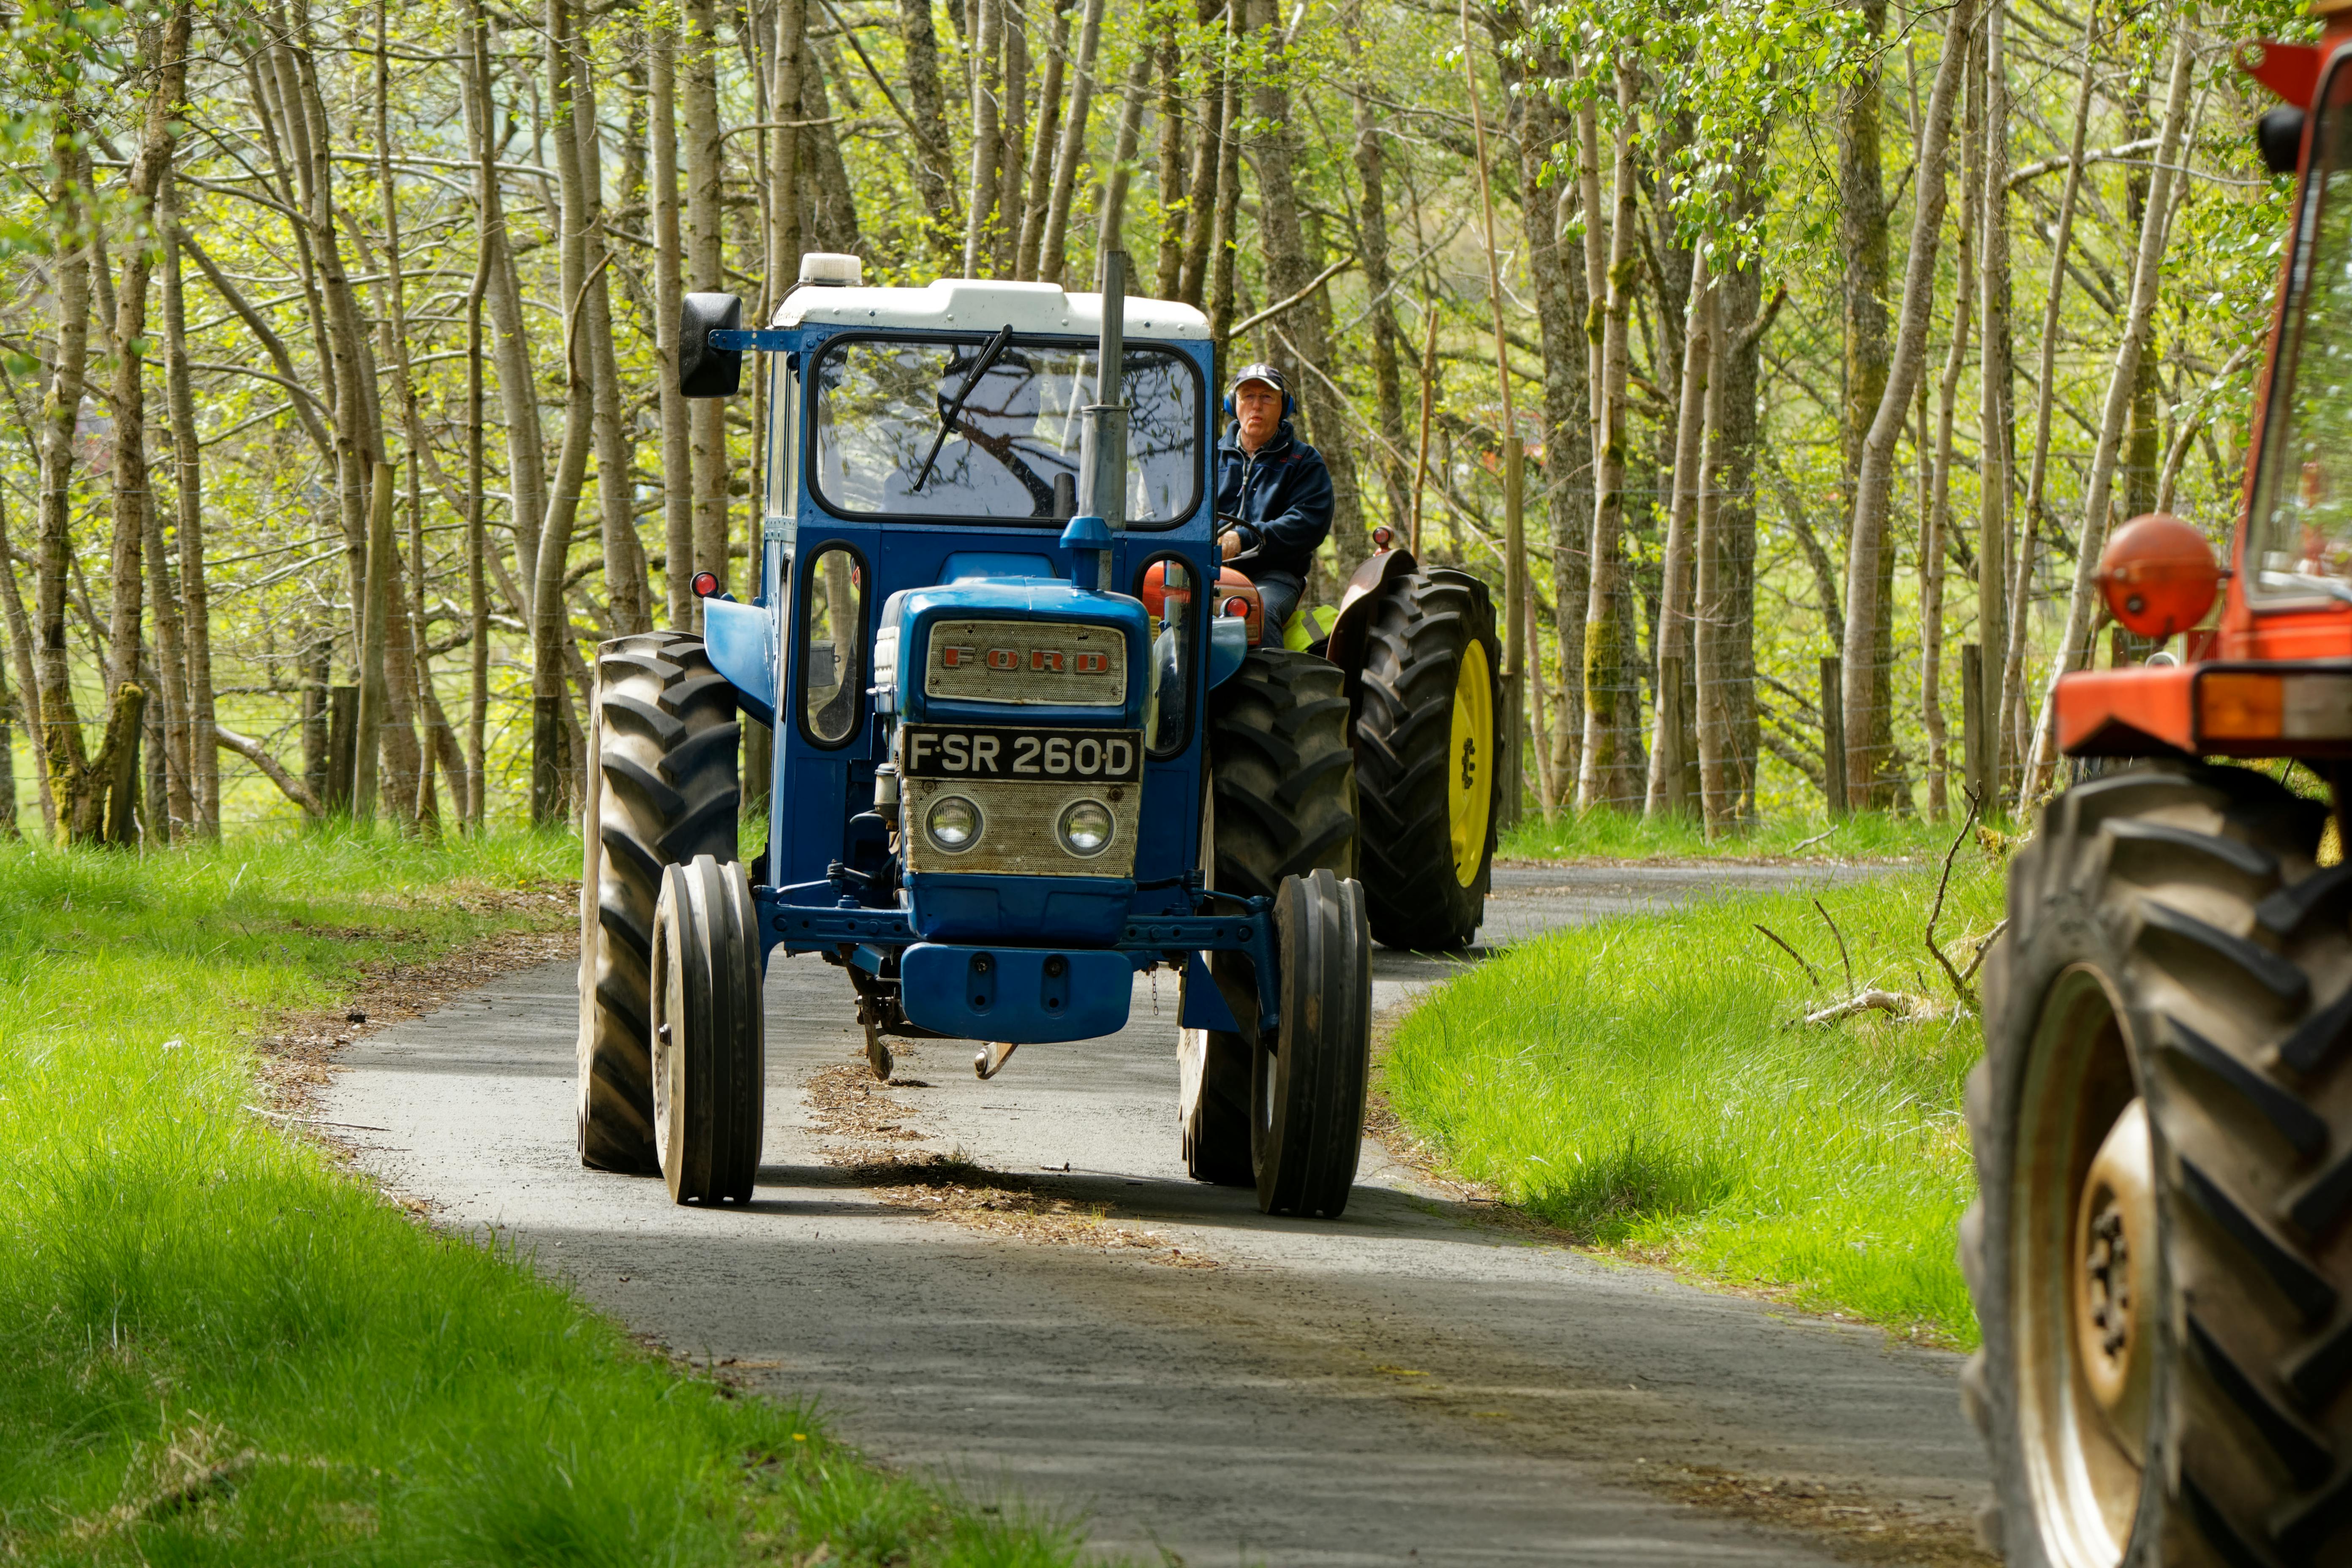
(665,790)
(1279,763)
(1414,650)
(1307,1096)
(2156,878)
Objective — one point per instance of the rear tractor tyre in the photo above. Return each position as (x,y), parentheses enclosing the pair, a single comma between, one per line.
(1307,1094)
(2163,1134)
(664,731)
(1427,760)
(708,1057)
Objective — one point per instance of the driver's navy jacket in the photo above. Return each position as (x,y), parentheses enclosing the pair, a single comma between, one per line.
(1282,494)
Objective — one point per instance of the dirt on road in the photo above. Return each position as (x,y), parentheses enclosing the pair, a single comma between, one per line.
(1012,1284)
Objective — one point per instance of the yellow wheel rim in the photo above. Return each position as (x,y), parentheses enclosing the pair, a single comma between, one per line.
(1469,763)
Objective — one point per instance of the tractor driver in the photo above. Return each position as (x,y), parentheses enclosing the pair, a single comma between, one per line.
(1275,487)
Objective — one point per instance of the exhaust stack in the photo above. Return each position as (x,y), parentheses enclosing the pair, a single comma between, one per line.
(1102,441)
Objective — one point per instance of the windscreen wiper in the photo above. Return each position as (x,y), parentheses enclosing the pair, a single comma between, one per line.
(988,357)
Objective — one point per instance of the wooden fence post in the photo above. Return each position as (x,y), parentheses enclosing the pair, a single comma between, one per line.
(342,747)
(1833,736)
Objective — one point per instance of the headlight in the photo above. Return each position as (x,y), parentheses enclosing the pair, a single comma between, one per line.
(1085,827)
(953,823)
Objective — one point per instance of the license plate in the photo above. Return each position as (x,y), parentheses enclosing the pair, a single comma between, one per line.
(1019,753)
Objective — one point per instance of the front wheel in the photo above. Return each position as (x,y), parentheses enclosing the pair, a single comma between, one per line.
(709,1053)
(2163,1137)
(1306,1092)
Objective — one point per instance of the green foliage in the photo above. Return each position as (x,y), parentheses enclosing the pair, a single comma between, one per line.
(1648,1084)
(223,1349)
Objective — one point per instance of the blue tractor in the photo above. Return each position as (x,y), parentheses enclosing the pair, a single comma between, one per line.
(1025,743)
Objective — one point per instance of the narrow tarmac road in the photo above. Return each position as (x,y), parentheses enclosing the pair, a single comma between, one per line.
(1063,1321)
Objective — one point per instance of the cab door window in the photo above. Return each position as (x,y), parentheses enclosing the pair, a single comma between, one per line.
(833,654)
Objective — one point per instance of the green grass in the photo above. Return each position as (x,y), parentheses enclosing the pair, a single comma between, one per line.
(1626,835)
(222,1348)
(1647,1084)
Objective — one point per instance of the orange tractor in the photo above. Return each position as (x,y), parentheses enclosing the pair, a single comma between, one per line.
(2162,1256)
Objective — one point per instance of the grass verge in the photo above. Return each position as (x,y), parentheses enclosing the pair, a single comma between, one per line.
(223,1349)
(1628,836)
(1648,1084)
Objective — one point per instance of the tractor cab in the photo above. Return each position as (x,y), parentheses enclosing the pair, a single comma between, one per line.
(2162,1119)
(1026,746)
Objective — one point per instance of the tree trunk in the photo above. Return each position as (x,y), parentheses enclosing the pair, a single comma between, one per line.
(2153,228)
(408,766)
(1606,771)
(1208,158)
(1224,231)
(1175,209)
(1874,479)
(627,594)
(187,490)
(705,271)
(933,182)
(163,57)
(1300,340)
(79,787)
(1054,260)
(1670,747)
(358,441)
(1372,244)
(1711,601)
(1861,238)
(20,659)
(828,204)
(2001,619)
(678,442)
(1043,146)
(551,628)
(1012,115)
(2045,383)
(987,134)
(373,606)
(1110,209)
(1936,514)
(485,255)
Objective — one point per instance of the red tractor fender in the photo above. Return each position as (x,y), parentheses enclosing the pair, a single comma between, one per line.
(1356,604)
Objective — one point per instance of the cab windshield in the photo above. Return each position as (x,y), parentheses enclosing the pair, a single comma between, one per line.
(1011,450)
(2301,540)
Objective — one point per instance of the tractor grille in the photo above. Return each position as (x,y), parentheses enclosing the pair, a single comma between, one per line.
(1025,663)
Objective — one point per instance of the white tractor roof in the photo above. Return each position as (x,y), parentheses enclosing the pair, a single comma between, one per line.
(973,304)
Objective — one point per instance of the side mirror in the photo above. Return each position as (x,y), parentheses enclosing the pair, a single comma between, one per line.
(2279,134)
(704,371)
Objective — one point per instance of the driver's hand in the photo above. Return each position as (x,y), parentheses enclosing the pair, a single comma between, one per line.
(1230,545)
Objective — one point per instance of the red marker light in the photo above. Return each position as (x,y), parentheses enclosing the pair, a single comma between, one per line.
(704,585)
(1237,606)
(1381,537)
